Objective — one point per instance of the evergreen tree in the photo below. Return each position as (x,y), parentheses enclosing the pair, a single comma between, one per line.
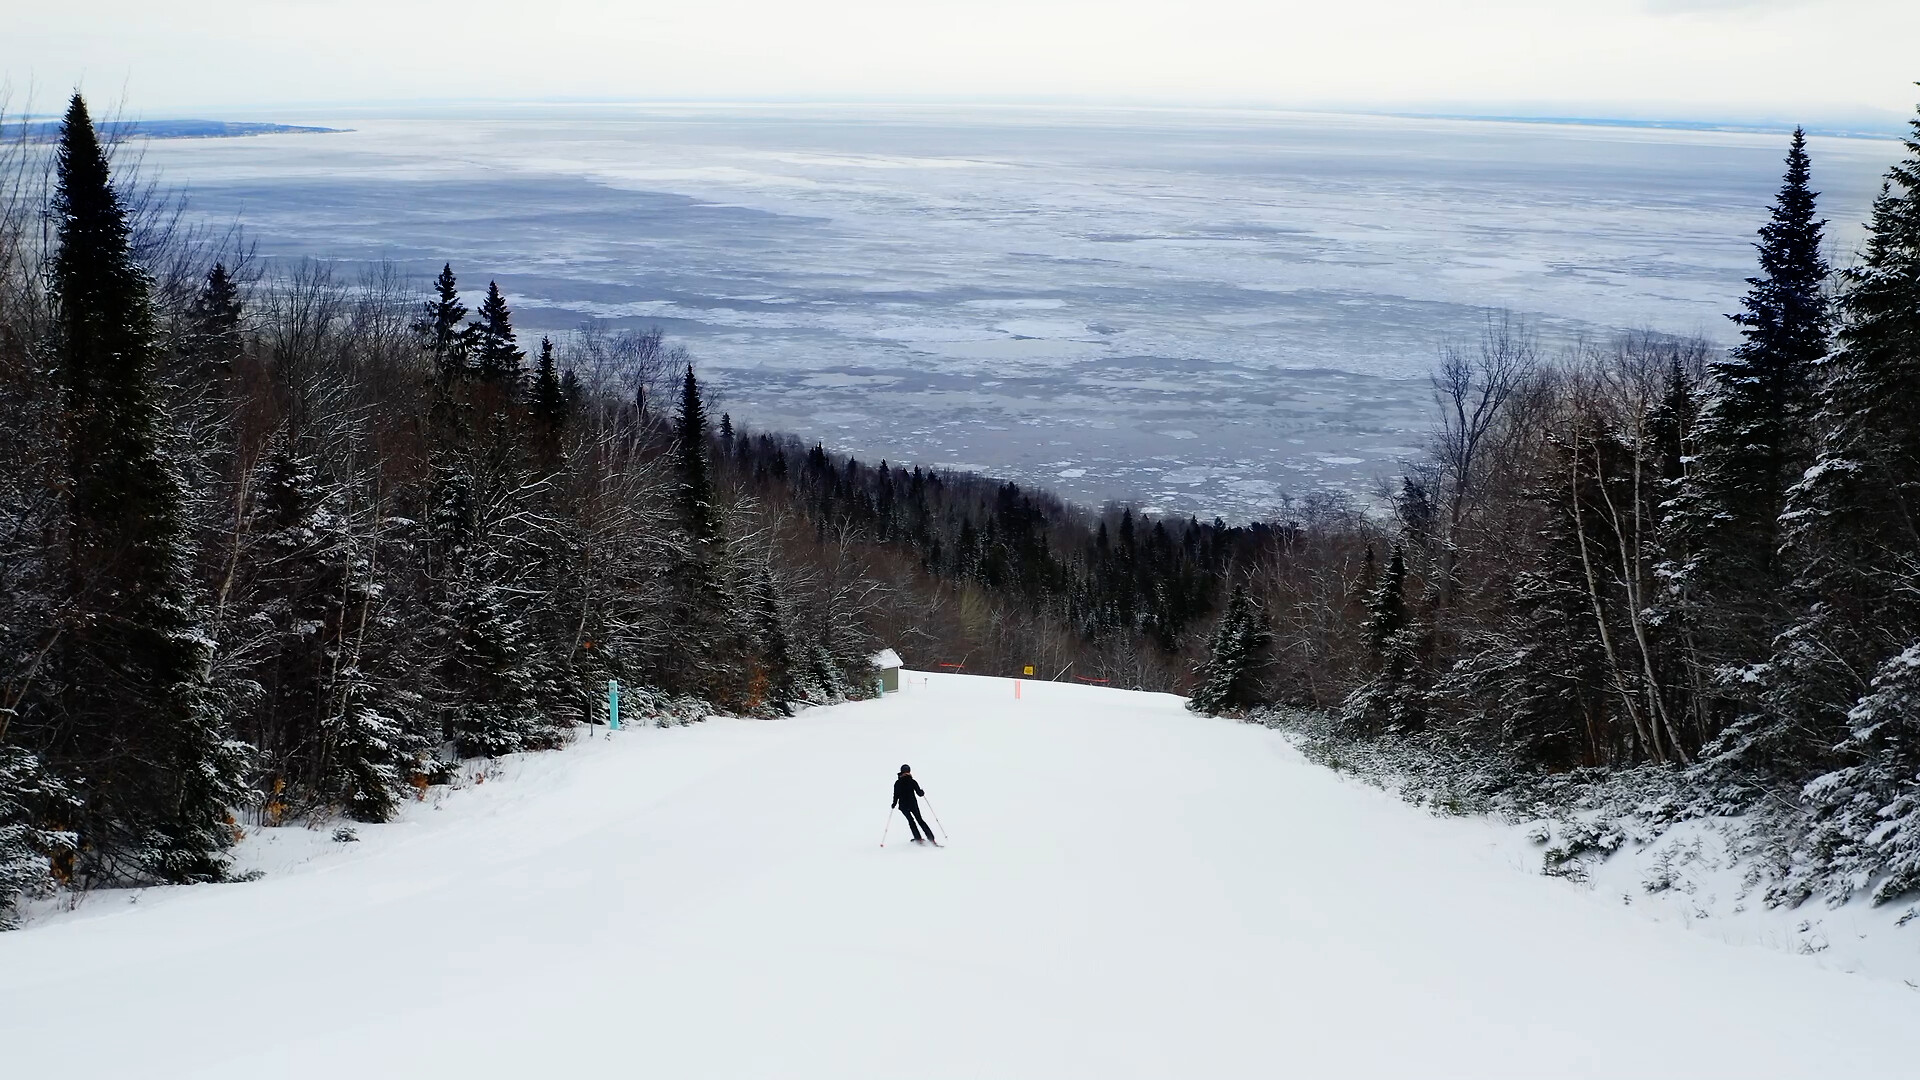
(441,326)
(1867,812)
(134,668)
(1394,698)
(29,796)
(1227,680)
(323,728)
(1849,526)
(697,513)
(1850,529)
(1542,674)
(212,339)
(1754,442)
(777,690)
(1387,607)
(497,358)
(549,399)
(488,657)
(490,665)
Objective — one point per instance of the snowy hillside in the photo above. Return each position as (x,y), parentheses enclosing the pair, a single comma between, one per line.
(1130,891)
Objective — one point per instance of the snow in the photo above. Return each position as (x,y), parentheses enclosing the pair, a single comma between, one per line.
(886,658)
(1130,891)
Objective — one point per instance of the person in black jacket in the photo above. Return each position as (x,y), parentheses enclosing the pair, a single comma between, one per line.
(906,797)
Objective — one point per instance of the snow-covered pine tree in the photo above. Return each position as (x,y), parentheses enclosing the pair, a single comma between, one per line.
(133,671)
(491,670)
(1542,677)
(1849,526)
(294,579)
(1394,699)
(328,733)
(496,355)
(1387,607)
(1227,681)
(1867,814)
(776,684)
(30,796)
(1753,442)
(486,659)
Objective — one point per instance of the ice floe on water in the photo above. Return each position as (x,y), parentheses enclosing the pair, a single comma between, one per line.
(988,286)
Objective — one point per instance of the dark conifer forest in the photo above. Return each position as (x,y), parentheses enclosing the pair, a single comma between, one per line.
(283,544)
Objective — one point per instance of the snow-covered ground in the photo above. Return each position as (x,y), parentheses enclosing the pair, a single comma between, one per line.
(1130,891)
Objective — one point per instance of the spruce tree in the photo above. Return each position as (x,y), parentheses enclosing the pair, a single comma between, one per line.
(777,690)
(30,796)
(1542,673)
(1393,699)
(1227,680)
(134,667)
(548,400)
(1387,607)
(1849,526)
(487,653)
(496,355)
(1754,442)
(212,339)
(441,328)
(696,495)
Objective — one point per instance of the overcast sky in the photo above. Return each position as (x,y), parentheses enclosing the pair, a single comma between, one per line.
(1818,60)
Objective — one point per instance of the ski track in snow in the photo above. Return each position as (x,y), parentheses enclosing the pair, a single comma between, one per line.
(1132,892)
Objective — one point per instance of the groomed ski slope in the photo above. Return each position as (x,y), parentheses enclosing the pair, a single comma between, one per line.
(1130,891)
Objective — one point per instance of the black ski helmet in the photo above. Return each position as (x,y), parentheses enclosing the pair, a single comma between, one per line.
(906,769)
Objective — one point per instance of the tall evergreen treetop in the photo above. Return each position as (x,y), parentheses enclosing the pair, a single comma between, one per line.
(496,354)
(106,314)
(549,397)
(697,512)
(1853,519)
(441,324)
(1755,441)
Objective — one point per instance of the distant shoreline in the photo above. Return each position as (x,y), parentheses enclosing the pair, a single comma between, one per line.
(1891,132)
(47,130)
(46,127)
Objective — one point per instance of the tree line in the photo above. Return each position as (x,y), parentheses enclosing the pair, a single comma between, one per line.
(1653,554)
(283,546)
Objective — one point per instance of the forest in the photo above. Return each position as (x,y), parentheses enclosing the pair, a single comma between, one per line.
(280,544)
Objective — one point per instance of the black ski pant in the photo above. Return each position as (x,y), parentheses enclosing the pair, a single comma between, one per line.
(916,822)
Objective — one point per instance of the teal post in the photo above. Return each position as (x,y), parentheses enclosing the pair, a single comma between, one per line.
(613,704)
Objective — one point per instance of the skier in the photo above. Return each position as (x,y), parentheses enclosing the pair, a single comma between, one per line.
(906,795)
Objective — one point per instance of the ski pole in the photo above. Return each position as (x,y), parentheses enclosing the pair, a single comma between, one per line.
(936,820)
(886,828)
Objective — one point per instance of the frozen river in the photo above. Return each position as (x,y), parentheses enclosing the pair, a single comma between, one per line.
(1196,310)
